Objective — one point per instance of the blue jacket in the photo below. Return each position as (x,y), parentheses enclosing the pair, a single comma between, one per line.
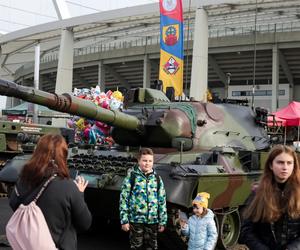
(202,232)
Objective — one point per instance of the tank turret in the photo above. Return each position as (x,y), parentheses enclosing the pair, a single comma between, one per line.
(150,119)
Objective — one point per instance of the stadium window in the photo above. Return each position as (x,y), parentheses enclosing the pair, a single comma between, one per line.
(236,93)
(260,93)
(257,93)
(282,92)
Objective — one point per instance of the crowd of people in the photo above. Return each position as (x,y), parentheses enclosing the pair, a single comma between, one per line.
(270,219)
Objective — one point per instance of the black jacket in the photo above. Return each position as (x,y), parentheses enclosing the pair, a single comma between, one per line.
(271,236)
(64,209)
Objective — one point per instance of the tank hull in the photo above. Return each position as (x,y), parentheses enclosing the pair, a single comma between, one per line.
(216,148)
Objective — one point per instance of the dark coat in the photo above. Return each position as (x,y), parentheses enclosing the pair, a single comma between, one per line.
(63,207)
(263,236)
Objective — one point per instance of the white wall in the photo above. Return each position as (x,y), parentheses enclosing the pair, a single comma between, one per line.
(296,93)
(262,97)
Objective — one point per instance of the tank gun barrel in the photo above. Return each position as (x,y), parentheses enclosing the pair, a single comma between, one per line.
(69,104)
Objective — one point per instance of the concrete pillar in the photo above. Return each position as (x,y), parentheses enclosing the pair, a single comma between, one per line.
(64,77)
(275,77)
(147,72)
(36,79)
(199,76)
(101,75)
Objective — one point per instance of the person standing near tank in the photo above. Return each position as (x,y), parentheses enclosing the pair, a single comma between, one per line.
(62,202)
(143,208)
(201,227)
(272,214)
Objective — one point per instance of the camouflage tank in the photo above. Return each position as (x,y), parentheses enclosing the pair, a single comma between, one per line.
(18,139)
(198,146)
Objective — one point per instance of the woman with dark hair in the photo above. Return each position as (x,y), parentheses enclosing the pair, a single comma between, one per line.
(272,217)
(62,202)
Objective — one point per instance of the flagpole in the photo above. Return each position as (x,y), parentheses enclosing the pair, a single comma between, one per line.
(285,135)
(187,52)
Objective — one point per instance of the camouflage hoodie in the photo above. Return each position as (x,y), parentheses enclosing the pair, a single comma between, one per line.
(145,204)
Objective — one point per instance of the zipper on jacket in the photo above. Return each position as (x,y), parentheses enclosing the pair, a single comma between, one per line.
(147,179)
(273,232)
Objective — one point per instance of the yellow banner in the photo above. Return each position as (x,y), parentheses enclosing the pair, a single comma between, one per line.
(171,72)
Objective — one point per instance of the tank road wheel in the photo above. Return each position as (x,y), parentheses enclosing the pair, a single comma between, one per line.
(229,225)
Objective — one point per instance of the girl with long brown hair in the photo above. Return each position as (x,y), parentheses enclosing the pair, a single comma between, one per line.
(272,217)
(62,202)
(50,157)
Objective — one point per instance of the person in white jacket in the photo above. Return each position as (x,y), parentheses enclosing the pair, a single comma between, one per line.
(201,227)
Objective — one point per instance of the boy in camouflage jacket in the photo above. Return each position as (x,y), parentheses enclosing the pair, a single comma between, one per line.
(143,203)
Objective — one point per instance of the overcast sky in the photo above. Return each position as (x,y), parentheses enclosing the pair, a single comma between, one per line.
(20,14)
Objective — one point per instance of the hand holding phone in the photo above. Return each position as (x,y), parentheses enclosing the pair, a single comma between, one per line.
(81,183)
(182,216)
(183,219)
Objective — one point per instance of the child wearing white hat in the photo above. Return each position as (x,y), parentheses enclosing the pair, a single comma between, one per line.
(200,228)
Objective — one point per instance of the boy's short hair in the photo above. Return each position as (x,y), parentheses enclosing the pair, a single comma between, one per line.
(144,151)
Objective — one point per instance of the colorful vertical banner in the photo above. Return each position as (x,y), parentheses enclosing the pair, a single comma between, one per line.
(171,45)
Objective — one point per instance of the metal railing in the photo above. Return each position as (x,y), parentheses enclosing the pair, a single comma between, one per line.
(155,40)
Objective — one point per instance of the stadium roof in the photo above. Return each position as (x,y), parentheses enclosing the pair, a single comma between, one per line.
(129,24)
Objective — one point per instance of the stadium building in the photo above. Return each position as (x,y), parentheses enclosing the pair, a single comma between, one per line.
(252,44)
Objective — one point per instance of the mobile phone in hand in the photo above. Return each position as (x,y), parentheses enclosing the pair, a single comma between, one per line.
(73,173)
(182,216)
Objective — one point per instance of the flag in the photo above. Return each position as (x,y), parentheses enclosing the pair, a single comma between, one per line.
(171,45)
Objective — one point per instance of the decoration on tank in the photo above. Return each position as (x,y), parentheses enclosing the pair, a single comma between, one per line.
(90,131)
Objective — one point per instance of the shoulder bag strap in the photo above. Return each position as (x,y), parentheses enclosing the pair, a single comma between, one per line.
(44,187)
(41,191)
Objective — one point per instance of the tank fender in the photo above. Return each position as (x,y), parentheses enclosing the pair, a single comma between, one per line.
(179,190)
(12,169)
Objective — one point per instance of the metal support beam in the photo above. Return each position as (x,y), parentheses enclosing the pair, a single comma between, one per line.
(7,70)
(155,65)
(45,79)
(6,56)
(287,72)
(50,49)
(146,72)
(275,77)
(285,67)
(101,75)
(62,9)
(213,63)
(117,76)
(78,77)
